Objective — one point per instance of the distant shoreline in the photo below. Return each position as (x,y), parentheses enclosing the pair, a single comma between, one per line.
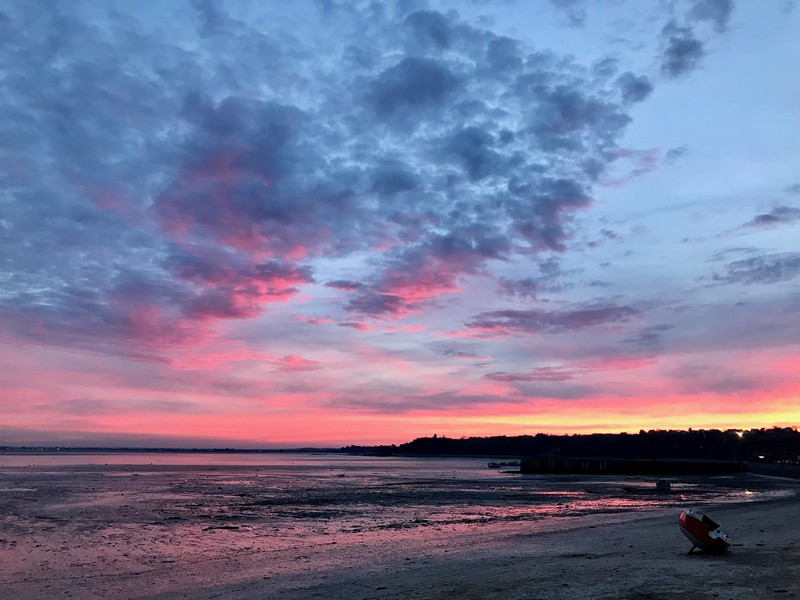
(778,445)
(23,450)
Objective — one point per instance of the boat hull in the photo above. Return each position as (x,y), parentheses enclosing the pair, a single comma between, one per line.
(703,532)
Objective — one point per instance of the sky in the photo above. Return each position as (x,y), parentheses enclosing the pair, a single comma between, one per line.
(272,224)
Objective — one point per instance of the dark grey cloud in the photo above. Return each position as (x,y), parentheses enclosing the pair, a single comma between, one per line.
(430,27)
(718,12)
(549,280)
(565,111)
(539,321)
(673,155)
(205,179)
(779,215)
(375,304)
(634,88)
(411,84)
(394,178)
(549,374)
(357,325)
(651,337)
(344,284)
(413,276)
(606,68)
(767,269)
(544,225)
(455,350)
(503,55)
(793,189)
(527,287)
(213,21)
(228,291)
(682,50)
(473,147)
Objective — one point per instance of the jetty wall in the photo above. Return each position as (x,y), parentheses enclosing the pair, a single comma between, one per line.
(611,466)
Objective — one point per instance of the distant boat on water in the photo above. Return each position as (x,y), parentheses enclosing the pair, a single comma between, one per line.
(703,531)
(507,463)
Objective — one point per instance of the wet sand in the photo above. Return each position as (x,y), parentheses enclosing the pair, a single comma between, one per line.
(609,558)
(133,538)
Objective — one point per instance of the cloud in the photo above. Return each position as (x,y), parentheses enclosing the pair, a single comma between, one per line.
(634,88)
(575,370)
(225,290)
(779,215)
(718,12)
(292,363)
(503,55)
(531,287)
(549,374)
(402,401)
(430,27)
(393,178)
(695,379)
(357,325)
(343,284)
(414,276)
(540,321)
(413,83)
(682,50)
(630,164)
(793,189)
(472,147)
(221,171)
(524,288)
(94,406)
(767,269)
(573,13)
(651,337)
(298,318)
(449,350)
(673,155)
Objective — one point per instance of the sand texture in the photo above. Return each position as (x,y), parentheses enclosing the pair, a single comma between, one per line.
(646,560)
(114,534)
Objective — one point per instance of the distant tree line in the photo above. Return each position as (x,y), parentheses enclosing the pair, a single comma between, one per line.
(764,445)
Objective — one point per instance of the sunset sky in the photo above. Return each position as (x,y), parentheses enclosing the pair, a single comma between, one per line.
(259,223)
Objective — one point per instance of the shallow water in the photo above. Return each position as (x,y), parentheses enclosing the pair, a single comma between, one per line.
(70,515)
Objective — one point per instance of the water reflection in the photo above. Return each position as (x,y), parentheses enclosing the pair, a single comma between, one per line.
(131,513)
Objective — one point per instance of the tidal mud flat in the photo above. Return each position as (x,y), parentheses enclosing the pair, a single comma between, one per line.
(357,528)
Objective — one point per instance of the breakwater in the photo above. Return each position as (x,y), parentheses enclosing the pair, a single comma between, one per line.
(611,466)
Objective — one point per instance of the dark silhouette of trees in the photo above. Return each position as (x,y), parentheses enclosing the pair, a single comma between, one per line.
(764,445)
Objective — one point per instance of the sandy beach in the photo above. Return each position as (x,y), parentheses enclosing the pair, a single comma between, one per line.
(106,533)
(608,559)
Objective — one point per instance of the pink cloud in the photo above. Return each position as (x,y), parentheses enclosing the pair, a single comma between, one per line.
(404,328)
(293,363)
(298,318)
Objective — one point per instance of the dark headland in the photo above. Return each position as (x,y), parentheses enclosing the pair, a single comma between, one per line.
(658,452)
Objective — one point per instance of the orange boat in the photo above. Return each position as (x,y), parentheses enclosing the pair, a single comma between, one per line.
(703,531)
